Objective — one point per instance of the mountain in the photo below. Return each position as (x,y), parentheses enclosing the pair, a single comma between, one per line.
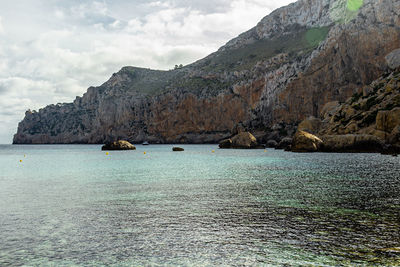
(266,80)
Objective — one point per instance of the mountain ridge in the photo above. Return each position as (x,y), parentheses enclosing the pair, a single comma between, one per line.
(267,79)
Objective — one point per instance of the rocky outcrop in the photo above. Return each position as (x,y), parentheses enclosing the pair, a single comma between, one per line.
(369,121)
(280,72)
(243,140)
(352,143)
(118,145)
(306,142)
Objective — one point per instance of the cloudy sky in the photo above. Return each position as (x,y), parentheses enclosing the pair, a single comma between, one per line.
(53,50)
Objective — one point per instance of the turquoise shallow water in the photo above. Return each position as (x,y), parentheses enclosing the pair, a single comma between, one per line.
(73,205)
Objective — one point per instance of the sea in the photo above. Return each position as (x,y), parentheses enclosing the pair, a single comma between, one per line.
(75,205)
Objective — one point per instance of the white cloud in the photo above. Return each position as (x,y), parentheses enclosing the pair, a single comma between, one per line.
(17,95)
(72,45)
(1,26)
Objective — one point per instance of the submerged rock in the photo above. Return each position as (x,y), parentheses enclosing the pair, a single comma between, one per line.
(118,145)
(177,149)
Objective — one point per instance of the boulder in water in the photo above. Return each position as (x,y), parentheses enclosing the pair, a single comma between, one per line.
(306,142)
(243,140)
(118,145)
(272,143)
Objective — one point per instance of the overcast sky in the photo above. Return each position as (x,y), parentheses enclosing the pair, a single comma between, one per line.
(53,50)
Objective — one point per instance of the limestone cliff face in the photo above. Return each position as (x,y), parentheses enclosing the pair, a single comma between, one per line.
(369,121)
(373,110)
(268,79)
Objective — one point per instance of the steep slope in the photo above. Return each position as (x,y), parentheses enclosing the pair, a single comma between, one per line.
(369,121)
(268,79)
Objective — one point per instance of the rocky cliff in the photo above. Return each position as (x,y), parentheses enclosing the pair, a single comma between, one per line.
(267,79)
(369,121)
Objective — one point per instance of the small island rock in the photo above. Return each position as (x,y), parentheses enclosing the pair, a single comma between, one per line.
(177,149)
(243,140)
(118,145)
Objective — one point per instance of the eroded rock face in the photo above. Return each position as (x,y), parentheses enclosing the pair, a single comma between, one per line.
(280,72)
(394,137)
(364,123)
(352,143)
(387,120)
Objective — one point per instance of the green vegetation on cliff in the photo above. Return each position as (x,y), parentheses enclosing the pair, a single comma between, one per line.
(298,42)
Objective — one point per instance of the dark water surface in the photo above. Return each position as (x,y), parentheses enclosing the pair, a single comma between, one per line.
(75,205)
